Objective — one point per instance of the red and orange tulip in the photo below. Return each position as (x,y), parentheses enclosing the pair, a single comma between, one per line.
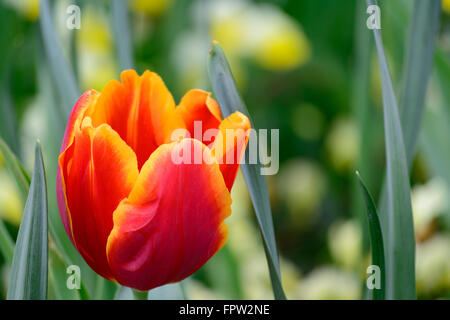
(134,215)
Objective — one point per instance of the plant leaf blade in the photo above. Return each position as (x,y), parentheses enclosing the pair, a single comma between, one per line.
(63,75)
(28,279)
(121,32)
(376,239)
(229,100)
(399,231)
(16,169)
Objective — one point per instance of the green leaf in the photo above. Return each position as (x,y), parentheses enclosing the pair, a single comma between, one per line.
(105,289)
(63,75)
(58,278)
(399,231)
(376,239)
(29,268)
(435,142)
(121,32)
(442,69)
(363,113)
(229,100)
(225,264)
(417,69)
(16,169)
(6,243)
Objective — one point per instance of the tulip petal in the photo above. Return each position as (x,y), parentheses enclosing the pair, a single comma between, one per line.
(98,170)
(140,109)
(197,105)
(229,145)
(173,220)
(88,98)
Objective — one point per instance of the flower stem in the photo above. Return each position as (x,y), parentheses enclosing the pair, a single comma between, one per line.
(140,295)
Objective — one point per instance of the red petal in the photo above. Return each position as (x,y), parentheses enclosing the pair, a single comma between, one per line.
(140,109)
(76,116)
(197,105)
(172,221)
(98,171)
(229,145)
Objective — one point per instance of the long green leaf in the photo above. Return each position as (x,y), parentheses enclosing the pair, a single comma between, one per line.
(106,290)
(399,230)
(363,112)
(417,69)
(121,31)
(376,240)
(419,57)
(58,278)
(229,100)
(29,268)
(16,169)
(63,75)
(6,243)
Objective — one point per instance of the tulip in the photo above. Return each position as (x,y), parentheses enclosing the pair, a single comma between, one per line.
(134,215)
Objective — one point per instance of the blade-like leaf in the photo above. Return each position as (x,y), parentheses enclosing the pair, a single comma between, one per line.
(417,69)
(16,169)
(399,229)
(121,31)
(29,268)
(225,264)
(376,240)
(63,75)
(58,288)
(363,112)
(6,243)
(229,100)
(418,56)
(105,290)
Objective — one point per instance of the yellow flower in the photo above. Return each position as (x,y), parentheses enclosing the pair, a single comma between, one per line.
(28,8)
(151,8)
(96,62)
(343,144)
(344,241)
(260,32)
(10,203)
(329,283)
(433,265)
(284,48)
(446,6)
(302,185)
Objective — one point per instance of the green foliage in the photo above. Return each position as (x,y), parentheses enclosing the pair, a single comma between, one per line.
(400,243)
(28,279)
(229,100)
(376,239)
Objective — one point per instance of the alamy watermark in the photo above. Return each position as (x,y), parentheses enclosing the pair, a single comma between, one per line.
(74,279)
(374,20)
(374,279)
(74,19)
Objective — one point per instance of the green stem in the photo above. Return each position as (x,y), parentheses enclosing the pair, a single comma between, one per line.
(140,295)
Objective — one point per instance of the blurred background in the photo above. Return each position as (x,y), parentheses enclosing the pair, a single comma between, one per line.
(306,67)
